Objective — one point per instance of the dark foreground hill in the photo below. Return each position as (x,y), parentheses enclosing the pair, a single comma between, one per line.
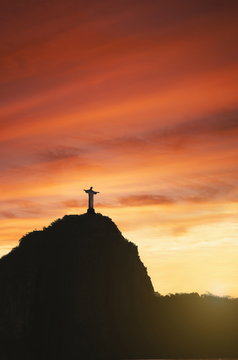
(78,290)
(75,290)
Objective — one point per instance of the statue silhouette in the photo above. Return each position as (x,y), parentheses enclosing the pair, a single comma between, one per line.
(91,194)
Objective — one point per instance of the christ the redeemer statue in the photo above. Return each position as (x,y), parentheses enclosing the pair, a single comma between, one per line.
(91,194)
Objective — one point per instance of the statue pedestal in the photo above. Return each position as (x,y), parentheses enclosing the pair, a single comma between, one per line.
(90,211)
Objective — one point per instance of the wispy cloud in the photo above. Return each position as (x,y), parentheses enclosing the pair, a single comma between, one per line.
(180,135)
(60,153)
(144,200)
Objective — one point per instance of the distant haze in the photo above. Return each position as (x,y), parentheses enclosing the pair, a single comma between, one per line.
(138,99)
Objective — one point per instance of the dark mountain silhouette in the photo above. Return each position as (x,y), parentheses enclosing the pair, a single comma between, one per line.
(78,290)
(196,326)
(75,290)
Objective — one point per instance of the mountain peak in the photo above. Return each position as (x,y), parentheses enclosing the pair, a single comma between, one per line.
(77,283)
(84,227)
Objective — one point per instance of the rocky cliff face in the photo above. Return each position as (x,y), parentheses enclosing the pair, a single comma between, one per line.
(75,290)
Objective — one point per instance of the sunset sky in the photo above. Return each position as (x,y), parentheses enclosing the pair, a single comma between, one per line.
(138,98)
